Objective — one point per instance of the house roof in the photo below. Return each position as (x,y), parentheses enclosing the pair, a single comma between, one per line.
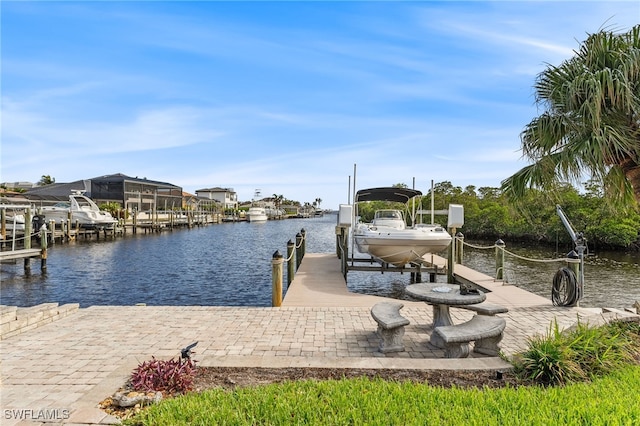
(58,191)
(215,189)
(119,177)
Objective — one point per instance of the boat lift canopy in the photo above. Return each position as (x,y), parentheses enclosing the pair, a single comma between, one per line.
(391,193)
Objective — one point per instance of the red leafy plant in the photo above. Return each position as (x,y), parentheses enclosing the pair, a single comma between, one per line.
(169,376)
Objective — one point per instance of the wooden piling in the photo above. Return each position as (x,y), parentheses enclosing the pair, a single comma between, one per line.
(277,262)
(43,249)
(27,240)
(298,250)
(459,247)
(290,262)
(450,257)
(500,245)
(3,224)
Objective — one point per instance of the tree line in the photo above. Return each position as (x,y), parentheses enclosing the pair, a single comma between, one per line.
(490,214)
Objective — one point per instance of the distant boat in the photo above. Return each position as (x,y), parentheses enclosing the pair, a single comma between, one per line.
(257,211)
(82,209)
(387,238)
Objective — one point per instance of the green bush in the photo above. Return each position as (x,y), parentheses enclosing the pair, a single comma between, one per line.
(579,354)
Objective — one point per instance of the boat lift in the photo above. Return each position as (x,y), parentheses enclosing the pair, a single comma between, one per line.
(568,284)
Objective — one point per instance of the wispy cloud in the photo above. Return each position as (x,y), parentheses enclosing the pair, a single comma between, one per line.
(285,97)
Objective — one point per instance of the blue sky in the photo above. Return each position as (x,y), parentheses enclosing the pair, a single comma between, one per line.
(281,96)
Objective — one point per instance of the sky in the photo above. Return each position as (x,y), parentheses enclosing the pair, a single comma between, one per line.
(302,99)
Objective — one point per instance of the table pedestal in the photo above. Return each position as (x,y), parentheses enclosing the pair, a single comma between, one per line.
(441,317)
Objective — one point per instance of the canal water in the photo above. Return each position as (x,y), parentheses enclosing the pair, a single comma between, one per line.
(230,265)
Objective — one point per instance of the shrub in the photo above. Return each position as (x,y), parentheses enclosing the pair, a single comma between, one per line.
(579,354)
(170,376)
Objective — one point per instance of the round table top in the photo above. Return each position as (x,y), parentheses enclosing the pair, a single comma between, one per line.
(437,294)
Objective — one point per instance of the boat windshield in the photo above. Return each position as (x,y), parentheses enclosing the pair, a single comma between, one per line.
(388,214)
(84,204)
(62,204)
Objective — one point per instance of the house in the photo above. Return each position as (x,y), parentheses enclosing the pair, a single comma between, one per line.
(131,193)
(227,197)
(18,185)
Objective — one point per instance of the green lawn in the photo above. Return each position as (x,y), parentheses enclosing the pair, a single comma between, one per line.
(613,399)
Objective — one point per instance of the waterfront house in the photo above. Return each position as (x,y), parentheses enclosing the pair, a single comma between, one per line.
(131,193)
(227,197)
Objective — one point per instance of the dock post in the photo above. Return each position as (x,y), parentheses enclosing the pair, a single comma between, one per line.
(574,263)
(27,240)
(459,247)
(416,277)
(304,243)
(298,250)
(450,258)
(276,278)
(52,227)
(500,245)
(43,249)
(291,270)
(135,221)
(3,224)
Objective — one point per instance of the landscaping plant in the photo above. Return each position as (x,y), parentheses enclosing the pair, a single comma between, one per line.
(169,376)
(578,354)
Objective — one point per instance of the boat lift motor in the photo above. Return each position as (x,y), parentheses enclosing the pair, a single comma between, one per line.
(565,280)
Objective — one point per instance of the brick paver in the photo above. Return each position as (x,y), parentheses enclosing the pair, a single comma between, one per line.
(64,368)
(60,371)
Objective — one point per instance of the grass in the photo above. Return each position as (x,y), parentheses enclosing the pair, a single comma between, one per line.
(610,400)
(594,370)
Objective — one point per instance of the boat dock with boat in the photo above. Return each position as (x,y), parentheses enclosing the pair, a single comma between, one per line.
(321,324)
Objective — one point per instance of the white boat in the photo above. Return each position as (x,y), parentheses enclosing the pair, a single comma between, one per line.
(83,211)
(257,211)
(257,214)
(388,239)
(13,220)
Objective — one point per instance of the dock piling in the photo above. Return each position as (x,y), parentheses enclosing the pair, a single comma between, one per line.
(500,245)
(276,279)
(290,262)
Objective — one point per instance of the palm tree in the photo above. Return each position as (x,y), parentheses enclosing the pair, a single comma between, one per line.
(46,180)
(592,121)
(277,200)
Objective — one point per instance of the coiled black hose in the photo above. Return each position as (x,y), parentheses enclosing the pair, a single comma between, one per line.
(565,288)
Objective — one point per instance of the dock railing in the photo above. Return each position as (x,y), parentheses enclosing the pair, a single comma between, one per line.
(295,254)
(566,290)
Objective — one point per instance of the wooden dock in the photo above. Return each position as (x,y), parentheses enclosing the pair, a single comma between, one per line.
(20,254)
(319,283)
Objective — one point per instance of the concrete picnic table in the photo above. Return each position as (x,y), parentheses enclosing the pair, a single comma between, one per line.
(442,296)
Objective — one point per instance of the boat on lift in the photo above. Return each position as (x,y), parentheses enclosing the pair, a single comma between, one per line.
(387,238)
(80,209)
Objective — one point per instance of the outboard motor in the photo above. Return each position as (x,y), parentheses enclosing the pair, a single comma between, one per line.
(37,222)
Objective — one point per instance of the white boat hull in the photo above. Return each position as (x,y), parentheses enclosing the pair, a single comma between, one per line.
(84,219)
(257,214)
(400,246)
(80,209)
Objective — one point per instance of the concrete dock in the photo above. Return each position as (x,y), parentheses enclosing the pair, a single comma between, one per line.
(63,368)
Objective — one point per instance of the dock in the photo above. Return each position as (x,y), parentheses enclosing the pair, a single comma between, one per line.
(85,355)
(319,283)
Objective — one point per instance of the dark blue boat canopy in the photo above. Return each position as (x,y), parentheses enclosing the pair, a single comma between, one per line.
(390,193)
